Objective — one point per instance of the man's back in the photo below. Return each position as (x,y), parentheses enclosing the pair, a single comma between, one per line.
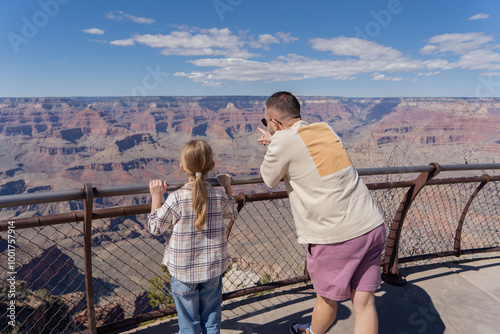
(329,201)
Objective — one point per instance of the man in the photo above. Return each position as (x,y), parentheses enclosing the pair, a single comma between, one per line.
(333,211)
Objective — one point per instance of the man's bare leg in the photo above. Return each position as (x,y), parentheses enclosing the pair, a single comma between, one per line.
(324,314)
(365,313)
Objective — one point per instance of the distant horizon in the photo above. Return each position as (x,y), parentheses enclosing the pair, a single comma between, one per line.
(367,48)
(263,96)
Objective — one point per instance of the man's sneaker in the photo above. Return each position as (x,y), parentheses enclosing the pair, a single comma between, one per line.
(296,328)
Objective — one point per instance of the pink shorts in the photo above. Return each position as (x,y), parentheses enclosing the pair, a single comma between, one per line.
(336,269)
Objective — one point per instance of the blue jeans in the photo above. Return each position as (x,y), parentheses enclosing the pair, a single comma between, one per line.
(198,305)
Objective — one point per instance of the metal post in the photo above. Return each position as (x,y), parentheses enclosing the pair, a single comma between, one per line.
(458,233)
(391,268)
(87,243)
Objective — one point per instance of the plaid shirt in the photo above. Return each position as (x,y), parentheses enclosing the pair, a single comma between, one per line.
(194,256)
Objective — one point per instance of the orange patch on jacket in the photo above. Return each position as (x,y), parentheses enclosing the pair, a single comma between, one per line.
(325,148)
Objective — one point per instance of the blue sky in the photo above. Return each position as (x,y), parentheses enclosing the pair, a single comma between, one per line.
(357,48)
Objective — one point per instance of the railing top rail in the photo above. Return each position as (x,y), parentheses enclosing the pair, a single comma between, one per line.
(119,211)
(428,168)
(143,188)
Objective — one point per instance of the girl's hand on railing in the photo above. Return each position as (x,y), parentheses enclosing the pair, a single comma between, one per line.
(225,181)
(157,188)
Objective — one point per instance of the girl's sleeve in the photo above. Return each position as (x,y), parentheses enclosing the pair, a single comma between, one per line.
(161,219)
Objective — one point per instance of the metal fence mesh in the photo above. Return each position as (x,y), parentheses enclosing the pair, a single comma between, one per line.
(482,224)
(49,283)
(125,257)
(263,248)
(388,201)
(432,220)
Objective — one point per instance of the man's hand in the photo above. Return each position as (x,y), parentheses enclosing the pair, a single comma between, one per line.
(265,139)
(157,188)
(225,181)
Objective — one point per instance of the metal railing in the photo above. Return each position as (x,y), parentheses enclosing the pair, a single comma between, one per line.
(94,269)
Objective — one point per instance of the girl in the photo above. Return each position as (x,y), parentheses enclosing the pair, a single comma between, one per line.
(196,254)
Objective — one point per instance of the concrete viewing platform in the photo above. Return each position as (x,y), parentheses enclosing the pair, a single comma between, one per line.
(452,297)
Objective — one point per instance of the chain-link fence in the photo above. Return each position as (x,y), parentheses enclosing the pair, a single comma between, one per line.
(263,246)
(44,274)
(42,271)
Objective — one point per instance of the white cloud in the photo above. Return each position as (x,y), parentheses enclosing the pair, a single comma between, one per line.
(218,38)
(285,37)
(208,42)
(208,52)
(182,27)
(264,41)
(480,16)
(211,42)
(348,46)
(456,43)
(428,49)
(365,57)
(225,56)
(102,41)
(480,60)
(428,74)
(439,64)
(119,15)
(383,77)
(94,31)
(475,50)
(293,67)
(123,42)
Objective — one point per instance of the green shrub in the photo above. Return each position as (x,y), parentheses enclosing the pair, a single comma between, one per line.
(160,292)
(265,279)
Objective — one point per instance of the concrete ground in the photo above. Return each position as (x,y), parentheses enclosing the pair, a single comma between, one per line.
(454,297)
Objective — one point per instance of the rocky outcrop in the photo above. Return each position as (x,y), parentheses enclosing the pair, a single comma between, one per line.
(130,142)
(13,187)
(52,270)
(104,315)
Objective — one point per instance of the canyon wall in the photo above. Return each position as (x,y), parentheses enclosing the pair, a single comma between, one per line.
(61,143)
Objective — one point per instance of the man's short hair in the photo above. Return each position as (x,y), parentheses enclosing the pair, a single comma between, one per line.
(285,103)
